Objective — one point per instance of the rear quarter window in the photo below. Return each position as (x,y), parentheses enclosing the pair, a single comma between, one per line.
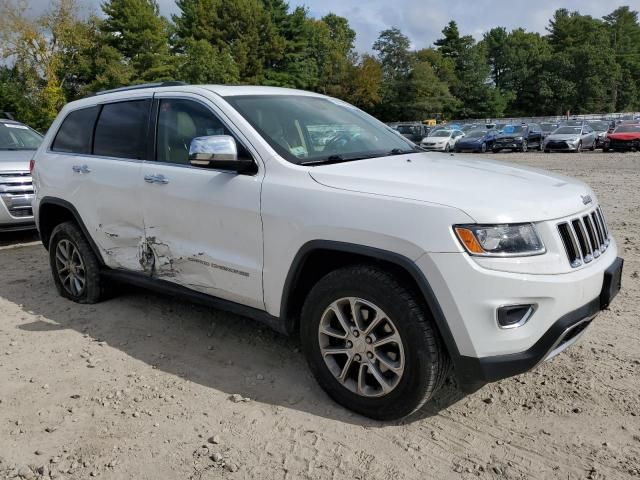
(74,135)
(121,130)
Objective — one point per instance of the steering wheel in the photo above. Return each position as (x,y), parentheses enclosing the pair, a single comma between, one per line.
(340,141)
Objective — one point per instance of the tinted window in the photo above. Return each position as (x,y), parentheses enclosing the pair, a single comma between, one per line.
(75,133)
(122,130)
(179,122)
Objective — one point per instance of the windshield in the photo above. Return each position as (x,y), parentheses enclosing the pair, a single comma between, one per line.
(305,129)
(568,131)
(477,134)
(599,126)
(513,129)
(628,129)
(14,136)
(548,127)
(440,133)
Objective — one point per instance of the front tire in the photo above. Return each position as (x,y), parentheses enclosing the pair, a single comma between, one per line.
(447,148)
(371,343)
(75,268)
(483,148)
(524,148)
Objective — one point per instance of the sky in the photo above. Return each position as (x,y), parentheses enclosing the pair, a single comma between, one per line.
(423,20)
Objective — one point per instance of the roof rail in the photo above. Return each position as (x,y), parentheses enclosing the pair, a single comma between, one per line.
(141,86)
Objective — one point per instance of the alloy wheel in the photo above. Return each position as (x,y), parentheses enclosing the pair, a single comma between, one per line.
(361,347)
(70,267)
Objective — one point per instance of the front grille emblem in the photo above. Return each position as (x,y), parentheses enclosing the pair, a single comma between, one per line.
(586,199)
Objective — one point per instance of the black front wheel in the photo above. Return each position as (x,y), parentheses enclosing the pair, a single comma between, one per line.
(75,268)
(371,343)
(524,148)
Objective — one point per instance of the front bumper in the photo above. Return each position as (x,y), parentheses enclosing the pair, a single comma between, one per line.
(509,145)
(435,148)
(470,295)
(20,217)
(561,335)
(560,146)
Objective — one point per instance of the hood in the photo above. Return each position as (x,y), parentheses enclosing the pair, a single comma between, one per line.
(564,136)
(15,160)
(487,191)
(624,136)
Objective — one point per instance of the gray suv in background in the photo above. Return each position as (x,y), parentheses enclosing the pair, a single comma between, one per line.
(18,143)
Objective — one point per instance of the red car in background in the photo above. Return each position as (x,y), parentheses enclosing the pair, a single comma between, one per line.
(624,138)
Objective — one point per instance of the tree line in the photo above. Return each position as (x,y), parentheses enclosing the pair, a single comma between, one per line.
(582,64)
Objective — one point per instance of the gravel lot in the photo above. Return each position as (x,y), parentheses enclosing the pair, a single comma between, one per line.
(147,387)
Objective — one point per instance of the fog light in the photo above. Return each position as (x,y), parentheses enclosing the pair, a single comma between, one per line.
(513,316)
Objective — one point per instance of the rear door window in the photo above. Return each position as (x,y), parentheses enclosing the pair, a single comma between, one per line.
(76,131)
(121,130)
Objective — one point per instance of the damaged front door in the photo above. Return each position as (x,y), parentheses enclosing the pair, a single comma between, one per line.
(203,228)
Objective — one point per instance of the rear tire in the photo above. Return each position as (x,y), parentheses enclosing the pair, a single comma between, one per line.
(372,296)
(75,268)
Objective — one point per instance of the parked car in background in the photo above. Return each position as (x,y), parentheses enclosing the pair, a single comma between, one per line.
(18,143)
(470,127)
(548,128)
(625,138)
(413,131)
(571,139)
(442,139)
(601,128)
(519,138)
(479,140)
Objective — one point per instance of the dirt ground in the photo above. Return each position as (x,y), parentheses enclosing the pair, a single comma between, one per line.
(146,387)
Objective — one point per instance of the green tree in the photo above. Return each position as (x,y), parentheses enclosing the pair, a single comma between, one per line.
(583,57)
(365,83)
(204,63)
(624,34)
(136,29)
(472,85)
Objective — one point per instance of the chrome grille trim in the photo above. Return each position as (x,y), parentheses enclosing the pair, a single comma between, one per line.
(584,238)
(16,192)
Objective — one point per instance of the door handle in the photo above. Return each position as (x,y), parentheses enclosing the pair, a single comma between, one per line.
(161,179)
(81,169)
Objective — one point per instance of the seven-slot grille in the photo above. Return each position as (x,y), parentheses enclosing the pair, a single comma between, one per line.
(585,238)
(16,191)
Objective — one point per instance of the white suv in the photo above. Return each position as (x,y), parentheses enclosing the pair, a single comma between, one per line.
(302,211)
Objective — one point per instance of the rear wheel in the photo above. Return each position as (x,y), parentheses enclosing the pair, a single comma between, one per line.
(371,344)
(75,268)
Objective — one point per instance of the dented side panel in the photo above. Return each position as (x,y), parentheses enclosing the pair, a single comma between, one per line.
(203,230)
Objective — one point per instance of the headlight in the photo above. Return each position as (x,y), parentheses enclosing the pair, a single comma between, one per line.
(500,240)
(519,139)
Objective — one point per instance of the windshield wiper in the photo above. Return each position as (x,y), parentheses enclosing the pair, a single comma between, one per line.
(399,151)
(338,159)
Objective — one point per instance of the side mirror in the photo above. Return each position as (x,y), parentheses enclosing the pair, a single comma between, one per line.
(218,152)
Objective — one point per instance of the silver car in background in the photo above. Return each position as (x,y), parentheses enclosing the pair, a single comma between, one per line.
(571,139)
(18,143)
